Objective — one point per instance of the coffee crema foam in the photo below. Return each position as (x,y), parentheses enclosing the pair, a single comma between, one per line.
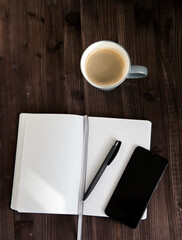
(105,67)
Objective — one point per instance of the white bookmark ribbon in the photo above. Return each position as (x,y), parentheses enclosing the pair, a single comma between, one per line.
(83,178)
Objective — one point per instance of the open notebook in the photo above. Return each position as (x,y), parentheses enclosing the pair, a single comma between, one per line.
(49,161)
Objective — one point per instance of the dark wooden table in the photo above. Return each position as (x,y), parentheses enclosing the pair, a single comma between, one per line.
(41,42)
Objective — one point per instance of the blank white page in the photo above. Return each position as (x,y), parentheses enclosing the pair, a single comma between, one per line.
(103,132)
(48,163)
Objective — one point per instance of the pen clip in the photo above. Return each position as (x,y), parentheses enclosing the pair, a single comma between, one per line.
(115,150)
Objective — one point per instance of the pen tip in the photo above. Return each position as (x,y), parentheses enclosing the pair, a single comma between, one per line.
(118,143)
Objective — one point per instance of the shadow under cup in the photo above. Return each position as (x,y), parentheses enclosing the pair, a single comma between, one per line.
(114,47)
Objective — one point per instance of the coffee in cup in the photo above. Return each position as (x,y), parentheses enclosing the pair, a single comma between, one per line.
(105,67)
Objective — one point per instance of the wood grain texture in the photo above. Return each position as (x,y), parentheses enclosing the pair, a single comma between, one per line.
(41,42)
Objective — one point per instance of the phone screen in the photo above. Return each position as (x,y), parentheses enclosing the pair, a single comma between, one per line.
(136,186)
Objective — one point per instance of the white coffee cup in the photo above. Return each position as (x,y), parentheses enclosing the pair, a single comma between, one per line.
(131,71)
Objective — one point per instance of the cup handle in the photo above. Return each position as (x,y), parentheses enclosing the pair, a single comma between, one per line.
(137,71)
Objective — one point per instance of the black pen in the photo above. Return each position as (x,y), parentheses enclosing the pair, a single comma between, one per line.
(109,158)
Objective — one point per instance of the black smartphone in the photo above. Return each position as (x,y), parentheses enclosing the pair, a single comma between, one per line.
(136,186)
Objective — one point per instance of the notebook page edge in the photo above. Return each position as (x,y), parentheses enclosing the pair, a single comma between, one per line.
(18,162)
